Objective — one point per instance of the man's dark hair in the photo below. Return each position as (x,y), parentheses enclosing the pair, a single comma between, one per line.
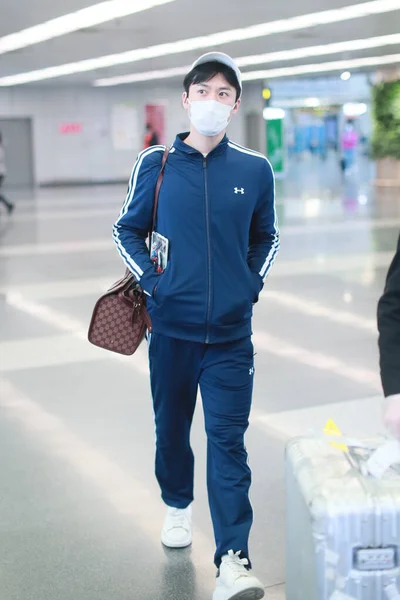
(207,71)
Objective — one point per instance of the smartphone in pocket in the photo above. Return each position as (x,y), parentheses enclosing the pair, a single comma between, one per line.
(159,251)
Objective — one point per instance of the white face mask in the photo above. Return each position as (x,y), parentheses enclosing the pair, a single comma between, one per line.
(209,117)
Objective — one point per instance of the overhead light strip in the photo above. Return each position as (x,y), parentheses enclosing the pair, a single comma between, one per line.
(138,77)
(336,48)
(339,65)
(346,13)
(247,61)
(80,19)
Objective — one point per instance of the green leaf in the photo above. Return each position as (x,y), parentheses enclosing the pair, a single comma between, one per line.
(386,114)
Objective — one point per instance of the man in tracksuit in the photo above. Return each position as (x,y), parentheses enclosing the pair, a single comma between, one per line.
(389,345)
(217,210)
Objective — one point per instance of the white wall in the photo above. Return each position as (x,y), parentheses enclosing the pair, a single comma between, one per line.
(90,155)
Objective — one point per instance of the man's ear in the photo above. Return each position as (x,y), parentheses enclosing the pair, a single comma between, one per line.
(185,101)
(236,107)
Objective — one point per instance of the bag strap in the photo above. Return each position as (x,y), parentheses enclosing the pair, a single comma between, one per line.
(158,187)
(128,273)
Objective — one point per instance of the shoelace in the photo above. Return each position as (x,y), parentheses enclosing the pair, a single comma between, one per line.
(179,518)
(236,564)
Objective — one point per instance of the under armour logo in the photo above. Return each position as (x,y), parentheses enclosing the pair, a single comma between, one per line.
(251,371)
(239,190)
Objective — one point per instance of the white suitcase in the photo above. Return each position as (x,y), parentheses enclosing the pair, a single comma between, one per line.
(343,528)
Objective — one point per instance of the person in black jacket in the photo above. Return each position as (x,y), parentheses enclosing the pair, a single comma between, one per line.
(151,137)
(389,345)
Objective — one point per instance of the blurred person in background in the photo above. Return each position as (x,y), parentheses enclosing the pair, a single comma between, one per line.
(151,137)
(389,345)
(3,171)
(349,145)
(217,211)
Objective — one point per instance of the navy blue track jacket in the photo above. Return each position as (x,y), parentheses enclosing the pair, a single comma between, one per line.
(219,216)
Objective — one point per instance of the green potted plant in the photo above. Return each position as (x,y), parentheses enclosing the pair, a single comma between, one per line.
(386,137)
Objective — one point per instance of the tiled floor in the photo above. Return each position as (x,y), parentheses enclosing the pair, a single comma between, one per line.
(80,508)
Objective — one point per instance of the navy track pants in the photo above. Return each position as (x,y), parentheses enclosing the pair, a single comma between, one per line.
(224,373)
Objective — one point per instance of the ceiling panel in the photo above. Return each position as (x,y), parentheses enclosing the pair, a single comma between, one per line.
(181,19)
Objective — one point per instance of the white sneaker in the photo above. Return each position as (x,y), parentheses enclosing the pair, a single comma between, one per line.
(177,529)
(235,582)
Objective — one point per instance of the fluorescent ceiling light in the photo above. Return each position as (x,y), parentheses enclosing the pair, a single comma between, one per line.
(362,44)
(339,65)
(272,114)
(301,102)
(312,102)
(346,13)
(354,109)
(136,77)
(80,19)
(246,61)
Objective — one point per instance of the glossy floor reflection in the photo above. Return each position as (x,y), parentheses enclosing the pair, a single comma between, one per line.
(80,506)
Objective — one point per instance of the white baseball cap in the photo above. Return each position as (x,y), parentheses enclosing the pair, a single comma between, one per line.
(221,58)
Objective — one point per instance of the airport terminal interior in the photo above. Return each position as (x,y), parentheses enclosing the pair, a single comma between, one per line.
(80,507)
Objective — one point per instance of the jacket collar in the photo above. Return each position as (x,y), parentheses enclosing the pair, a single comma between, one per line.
(179,144)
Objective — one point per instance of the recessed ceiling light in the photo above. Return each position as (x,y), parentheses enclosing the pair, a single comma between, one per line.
(312,102)
(348,298)
(354,109)
(80,19)
(346,13)
(246,61)
(272,114)
(345,76)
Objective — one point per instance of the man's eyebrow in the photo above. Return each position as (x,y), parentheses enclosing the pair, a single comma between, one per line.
(224,88)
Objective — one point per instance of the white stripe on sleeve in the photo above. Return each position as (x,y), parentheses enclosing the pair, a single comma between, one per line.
(269,261)
(128,260)
(275,246)
(134,176)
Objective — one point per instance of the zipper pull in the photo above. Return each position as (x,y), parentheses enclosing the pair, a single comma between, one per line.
(204,162)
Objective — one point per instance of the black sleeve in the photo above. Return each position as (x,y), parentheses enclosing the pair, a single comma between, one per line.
(389,329)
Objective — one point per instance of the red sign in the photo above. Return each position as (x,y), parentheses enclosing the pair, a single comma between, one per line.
(67,128)
(155,117)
